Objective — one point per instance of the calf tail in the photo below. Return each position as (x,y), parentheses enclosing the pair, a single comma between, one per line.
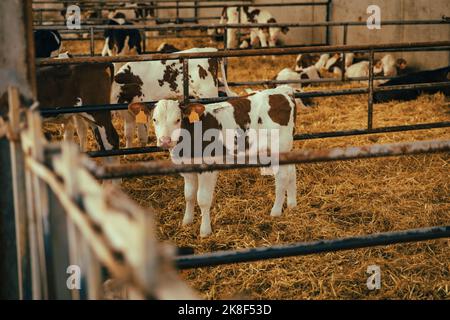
(225,83)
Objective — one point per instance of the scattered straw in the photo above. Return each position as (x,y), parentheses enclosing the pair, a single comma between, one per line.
(336,199)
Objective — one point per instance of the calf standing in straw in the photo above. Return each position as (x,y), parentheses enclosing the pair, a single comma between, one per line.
(268,114)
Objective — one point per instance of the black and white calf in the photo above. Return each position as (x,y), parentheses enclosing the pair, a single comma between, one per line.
(267,36)
(120,42)
(46,43)
(167,48)
(262,113)
(437,75)
(156,80)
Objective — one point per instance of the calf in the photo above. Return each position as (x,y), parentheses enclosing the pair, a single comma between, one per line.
(155,80)
(76,85)
(391,66)
(46,43)
(121,42)
(361,69)
(272,109)
(167,48)
(437,75)
(267,36)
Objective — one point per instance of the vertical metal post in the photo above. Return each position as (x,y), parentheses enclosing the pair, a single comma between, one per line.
(239,29)
(196,11)
(37,209)
(144,44)
(19,60)
(19,198)
(344,42)
(92,42)
(225,47)
(327,19)
(370,99)
(70,159)
(185,81)
(177,17)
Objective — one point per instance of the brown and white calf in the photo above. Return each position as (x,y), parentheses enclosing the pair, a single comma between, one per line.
(77,85)
(262,113)
(156,80)
(268,36)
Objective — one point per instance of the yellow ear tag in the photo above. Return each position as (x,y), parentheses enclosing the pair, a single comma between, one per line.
(193,117)
(141,117)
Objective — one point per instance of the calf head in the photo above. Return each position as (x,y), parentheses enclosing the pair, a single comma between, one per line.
(378,67)
(305,60)
(275,32)
(401,63)
(167,117)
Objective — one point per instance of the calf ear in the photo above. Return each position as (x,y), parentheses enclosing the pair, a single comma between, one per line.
(198,108)
(136,107)
(285,30)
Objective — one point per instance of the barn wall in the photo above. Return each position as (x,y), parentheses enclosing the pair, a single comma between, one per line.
(355,10)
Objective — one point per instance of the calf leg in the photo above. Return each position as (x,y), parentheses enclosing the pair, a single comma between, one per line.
(142,134)
(190,191)
(130,126)
(262,38)
(82,128)
(231,38)
(205,192)
(281,183)
(292,187)
(69,130)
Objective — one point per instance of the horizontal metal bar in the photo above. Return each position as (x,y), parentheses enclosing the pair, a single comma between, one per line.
(306,248)
(200,6)
(346,133)
(242,53)
(304,136)
(123,152)
(165,167)
(242,25)
(102,2)
(311,94)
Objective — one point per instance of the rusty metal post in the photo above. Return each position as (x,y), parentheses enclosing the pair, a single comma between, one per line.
(370,98)
(185,81)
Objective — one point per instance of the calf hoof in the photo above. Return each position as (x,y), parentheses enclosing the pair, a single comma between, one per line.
(187,220)
(205,231)
(275,212)
(291,204)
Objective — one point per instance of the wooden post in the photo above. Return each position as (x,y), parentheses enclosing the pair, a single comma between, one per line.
(16,69)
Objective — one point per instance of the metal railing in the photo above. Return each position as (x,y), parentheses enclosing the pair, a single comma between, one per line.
(370,90)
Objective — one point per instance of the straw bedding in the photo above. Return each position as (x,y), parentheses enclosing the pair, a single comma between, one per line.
(335,199)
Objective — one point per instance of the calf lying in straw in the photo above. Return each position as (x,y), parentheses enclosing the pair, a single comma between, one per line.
(259,123)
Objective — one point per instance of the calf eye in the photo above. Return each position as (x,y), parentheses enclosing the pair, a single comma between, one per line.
(178,121)
(154,120)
